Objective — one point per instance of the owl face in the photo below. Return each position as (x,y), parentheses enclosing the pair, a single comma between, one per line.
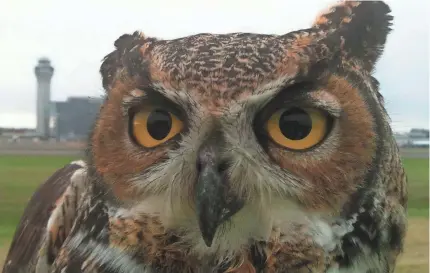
(211,130)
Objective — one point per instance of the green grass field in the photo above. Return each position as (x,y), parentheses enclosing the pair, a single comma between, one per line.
(20,175)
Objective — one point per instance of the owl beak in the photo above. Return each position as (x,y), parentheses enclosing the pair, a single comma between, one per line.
(214,203)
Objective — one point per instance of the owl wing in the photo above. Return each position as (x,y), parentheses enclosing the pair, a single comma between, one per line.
(33,228)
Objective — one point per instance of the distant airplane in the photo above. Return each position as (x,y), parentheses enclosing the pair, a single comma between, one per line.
(13,139)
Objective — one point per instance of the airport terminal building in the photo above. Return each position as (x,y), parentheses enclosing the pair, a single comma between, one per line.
(73,118)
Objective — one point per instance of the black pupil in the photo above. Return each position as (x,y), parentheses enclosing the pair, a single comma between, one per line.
(295,124)
(159,124)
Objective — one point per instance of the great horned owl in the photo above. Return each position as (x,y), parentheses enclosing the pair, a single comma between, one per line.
(231,153)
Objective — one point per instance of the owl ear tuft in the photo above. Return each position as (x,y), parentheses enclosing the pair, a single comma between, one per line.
(120,57)
(363,27)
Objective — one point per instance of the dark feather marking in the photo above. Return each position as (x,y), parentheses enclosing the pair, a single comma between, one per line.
(126,55)
(368,228)
(258,257)
(363,25)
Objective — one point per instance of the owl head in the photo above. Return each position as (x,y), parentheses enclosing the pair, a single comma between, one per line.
(230,135)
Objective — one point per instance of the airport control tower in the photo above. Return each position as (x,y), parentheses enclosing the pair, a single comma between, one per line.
(44,72)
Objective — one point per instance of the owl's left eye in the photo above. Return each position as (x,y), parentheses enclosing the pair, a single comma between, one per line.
(298,128)
(153,127)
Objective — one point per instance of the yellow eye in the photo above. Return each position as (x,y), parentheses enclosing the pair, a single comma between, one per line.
(153,127)
(297,128)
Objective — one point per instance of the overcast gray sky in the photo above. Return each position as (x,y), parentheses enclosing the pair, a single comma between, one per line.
(76,35)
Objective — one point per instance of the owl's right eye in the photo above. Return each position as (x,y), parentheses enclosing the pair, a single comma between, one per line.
(152,127)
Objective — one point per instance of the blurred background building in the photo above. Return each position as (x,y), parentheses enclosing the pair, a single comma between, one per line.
(73,118)
(414,138)
(69,120)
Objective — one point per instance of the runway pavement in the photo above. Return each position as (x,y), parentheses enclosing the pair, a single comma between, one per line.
(41,152)
(27,147)
(76,149)
(414,152)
